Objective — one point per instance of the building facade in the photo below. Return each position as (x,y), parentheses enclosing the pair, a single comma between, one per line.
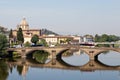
(54,40)
(27,32)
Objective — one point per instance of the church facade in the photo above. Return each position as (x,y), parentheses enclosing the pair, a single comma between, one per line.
(27,32)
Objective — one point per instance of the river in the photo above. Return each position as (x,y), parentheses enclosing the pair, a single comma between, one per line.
(106,68)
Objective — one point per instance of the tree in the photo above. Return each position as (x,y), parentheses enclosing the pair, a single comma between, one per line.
(27,44)
(11,34)
(35,39)
(113,38)
(20,37)
(42,41)
(3,42)
(104,38)
(97,38)
(11,38)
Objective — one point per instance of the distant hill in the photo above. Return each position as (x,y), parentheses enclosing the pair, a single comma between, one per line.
(47,32)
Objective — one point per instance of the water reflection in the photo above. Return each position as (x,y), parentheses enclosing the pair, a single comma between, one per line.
(78,58)
(40,56)
(29,69)
(17,70)
(3,70)
(111,58)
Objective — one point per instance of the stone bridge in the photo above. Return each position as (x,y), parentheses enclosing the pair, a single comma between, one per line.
(92,52)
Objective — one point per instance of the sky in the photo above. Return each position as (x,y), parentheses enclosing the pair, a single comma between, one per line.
(66,17)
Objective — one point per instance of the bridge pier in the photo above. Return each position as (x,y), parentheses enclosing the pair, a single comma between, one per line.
(53,57)
(23,55)
(91,55)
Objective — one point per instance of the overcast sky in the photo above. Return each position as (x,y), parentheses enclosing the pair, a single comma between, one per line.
(64,16)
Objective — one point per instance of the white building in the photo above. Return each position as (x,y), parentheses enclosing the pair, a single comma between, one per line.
(51,39)
(54,40)
(88,39)
(76,39)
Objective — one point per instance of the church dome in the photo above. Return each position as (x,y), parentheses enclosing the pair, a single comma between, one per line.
(23,24)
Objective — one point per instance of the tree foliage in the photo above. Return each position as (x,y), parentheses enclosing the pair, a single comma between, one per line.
(42,41)
(20,36)
(3,41)
(27,44)
(97,38)
(11,34)
(106,38)
(35,39)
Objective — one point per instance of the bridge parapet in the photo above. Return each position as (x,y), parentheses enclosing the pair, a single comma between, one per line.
(51,50)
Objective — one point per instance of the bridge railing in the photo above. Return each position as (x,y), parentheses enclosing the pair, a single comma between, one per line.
(106,42)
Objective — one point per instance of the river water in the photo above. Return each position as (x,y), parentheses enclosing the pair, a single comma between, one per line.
(109,69)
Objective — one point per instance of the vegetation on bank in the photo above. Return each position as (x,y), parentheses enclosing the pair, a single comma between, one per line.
(3,44)
(106,38)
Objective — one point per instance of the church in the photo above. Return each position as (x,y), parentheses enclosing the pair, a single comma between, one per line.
(27,32)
